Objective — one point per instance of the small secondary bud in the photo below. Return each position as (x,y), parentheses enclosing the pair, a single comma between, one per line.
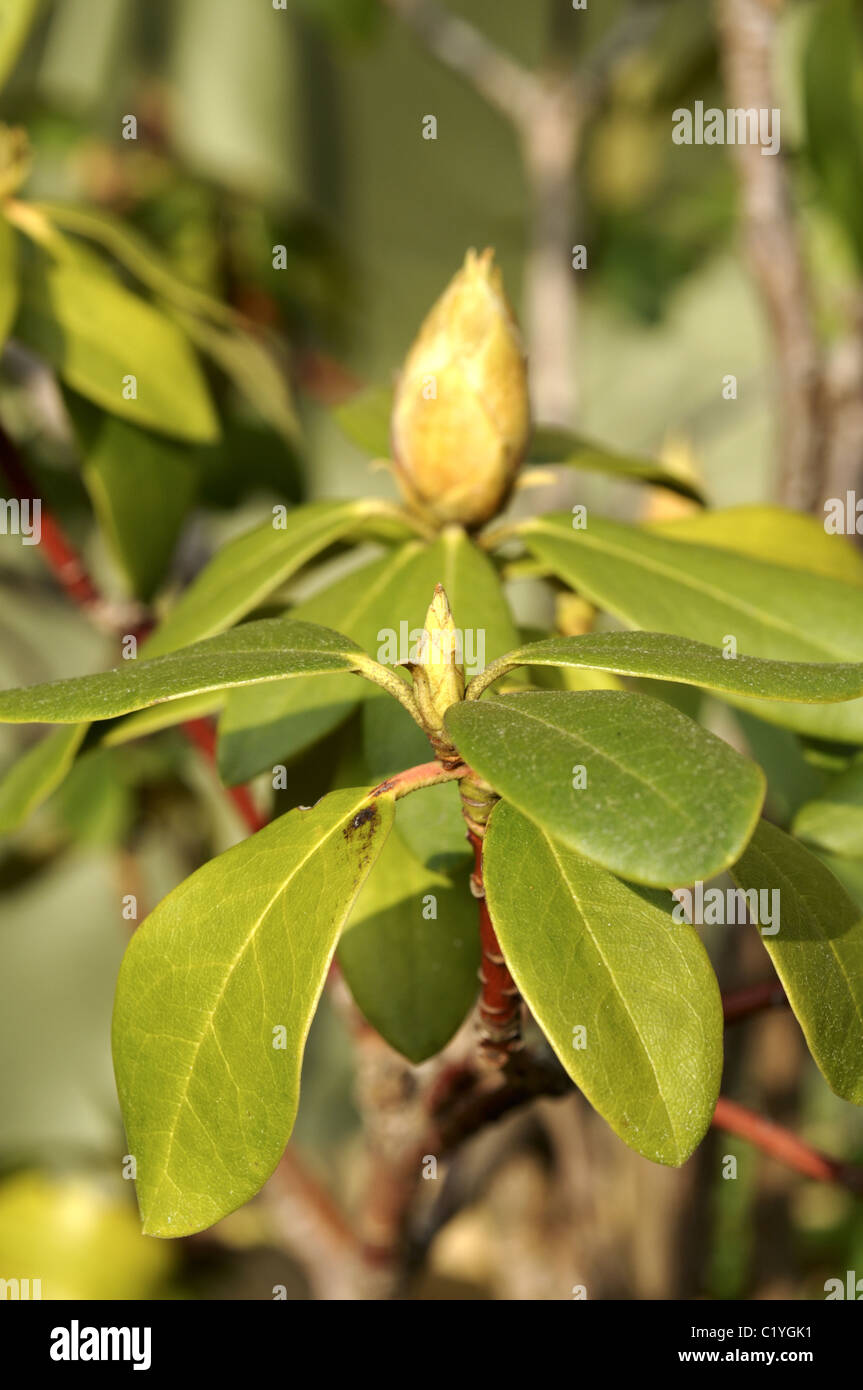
(438,675)
(461,416)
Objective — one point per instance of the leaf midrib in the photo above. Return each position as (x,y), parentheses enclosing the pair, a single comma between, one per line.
(580,738)
(584,917)
(232,965)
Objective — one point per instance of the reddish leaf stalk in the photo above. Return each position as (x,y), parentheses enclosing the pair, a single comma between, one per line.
(784,1146)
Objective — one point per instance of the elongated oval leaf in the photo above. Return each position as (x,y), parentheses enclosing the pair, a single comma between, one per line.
(142,486)
(134,252)
(669,658)
(410,951)
(98,334)
(214,1002)
(793,539)
(590,952)
(817,951)
(834,820)
(708,594)
(35,775)
(273,649)
(552,445)
(246,570)
(624,779)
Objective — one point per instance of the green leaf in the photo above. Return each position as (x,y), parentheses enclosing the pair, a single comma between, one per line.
(9,288)
(551,445)
(97,334)
(662,657)
(251,366)
(589,951)
(709,594)
(834,820)
(273,649)
(664,802)
(834,112)
(31,779)
(413,976)
(249,568)
(365,419)
(142,486)
(137,255)
(793,539)
(389,596)
(159,717)
(208,1083)
(817,952)
(16,17)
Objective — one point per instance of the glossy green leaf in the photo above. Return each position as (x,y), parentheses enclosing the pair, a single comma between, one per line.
(214,1002)
(663,801)
(817,951)
(551,445)
(273,649)
(142,486)
(793,539)
(663,657)
(379,606)
(35,775)
(249,568)
(365,419)
(590,952)
(252,367)
(709,594)
(97,334)
(137,255)
(9,288)
(16,17)
(833,821)
(410,951)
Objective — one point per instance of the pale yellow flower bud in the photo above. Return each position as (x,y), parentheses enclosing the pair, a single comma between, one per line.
(438,676)
(461,416)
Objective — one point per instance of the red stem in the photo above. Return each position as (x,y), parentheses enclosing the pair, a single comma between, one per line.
(784,1146)
(742,1003)
(60,556)
(500,1001)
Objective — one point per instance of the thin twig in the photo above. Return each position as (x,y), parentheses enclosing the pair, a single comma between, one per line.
(500,1002)
(784,1146)
(747,34)
(505,84)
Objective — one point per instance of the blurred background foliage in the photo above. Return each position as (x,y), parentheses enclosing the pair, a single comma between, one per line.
(261,127)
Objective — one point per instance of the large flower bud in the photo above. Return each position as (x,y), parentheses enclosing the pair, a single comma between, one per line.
(461,417)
